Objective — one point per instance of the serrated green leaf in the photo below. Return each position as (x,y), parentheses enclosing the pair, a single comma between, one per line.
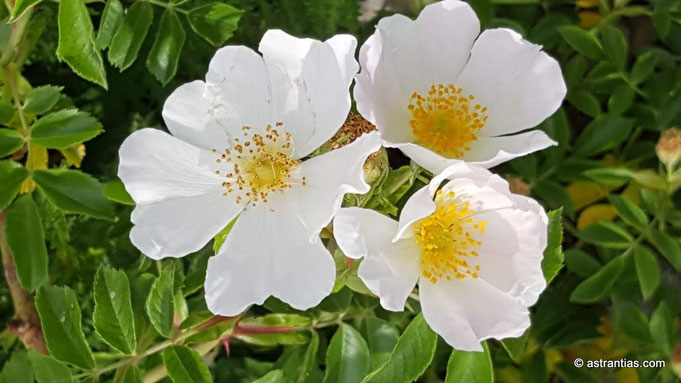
(582,41)
(643,67)
(515,347)
(581,263)
(64,128)
(668,247)
(113,317)
(662,328)
(337,302)
(48,369)
(115,191)
(662,22)
(412,355)
(310,359)
(131,374)
(12,175)
(621,100)
(555,195)
(139,292)
(347,358)
(20,7)
(111,20)
(629,211)
(553,254)
(606,234)
(17,369)
(574,72)
(222,235)
(26,240)
(534,368)
(60,320)
(74,192)
(77,42)
(610,175)
(185,365)
(274,376)
(614,45)
(585,102)
(129,36)
(381,338)
(215,22)
(602,134)
(165,53)
(41,99)
(10,141)
(289,320)
(282,338)
(630,321)
(474,367)
(545,32)
(160,305)
(6,110)
(647,269)
(598,286)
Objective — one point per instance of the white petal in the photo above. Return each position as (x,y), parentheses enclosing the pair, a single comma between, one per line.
(392,273)
(238,82)
(390,270)
(378,93)
(425,158)
(478,174)
(512,251)
(344,47)
(310,85)
(481,196)
(328,178)
(445,31)
(360,232)
(418,206)
(518,83)
(190,115)
(268,253)
(472,179)
(467,311)
(155,166)
(179,226)
(491,151)
(526,203)
(405,56)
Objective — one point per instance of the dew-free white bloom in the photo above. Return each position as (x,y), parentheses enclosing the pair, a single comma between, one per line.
(439,92)
(473,247)
(237,148)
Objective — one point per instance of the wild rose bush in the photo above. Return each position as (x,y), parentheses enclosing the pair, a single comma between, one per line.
(340,191)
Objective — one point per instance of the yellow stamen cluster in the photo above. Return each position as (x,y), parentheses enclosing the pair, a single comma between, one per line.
(446,121)
(260,164)
(447,245)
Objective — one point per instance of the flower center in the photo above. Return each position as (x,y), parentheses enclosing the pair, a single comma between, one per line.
(446,121)
(260,165)
(447,245)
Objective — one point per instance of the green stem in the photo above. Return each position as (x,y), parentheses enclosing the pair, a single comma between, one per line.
(17,101)
(644,234)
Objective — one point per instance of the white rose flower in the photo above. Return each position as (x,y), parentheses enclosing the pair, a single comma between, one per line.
(474,248)
(237,148)
(441,93)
